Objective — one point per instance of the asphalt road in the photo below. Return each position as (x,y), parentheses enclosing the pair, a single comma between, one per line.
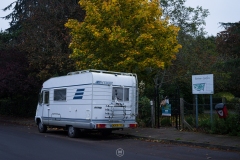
(25,143)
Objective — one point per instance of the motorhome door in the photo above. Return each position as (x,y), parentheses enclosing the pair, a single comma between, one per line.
(46,107)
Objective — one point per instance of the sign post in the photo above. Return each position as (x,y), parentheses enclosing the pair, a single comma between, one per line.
(211,110)
(196,100)
(202,84)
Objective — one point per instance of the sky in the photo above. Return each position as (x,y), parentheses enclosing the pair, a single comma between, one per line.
(220,11)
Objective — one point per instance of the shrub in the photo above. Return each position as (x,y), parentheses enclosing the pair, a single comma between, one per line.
(144,112)
(166,121)
(230,125)
(190,120)
(19,106)
(204,123)
(227,95)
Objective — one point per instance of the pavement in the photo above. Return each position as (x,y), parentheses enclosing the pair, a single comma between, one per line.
(172,135)
(164,135)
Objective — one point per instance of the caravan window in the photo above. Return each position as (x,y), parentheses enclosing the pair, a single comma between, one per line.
(46,97)
(40,98)
(120,94)
(60,94)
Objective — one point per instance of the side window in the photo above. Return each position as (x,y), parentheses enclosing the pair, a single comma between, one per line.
(40,98)
(60,94)
(126,94)
(120,94)
(46,97)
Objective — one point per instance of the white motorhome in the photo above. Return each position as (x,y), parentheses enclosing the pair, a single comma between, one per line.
(88,100)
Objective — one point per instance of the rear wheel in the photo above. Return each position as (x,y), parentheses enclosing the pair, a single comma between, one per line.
(72,132)
(41,127)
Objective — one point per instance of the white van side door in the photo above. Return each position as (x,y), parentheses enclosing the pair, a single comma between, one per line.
(46,107)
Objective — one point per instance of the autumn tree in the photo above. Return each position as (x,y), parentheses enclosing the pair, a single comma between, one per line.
(123,35)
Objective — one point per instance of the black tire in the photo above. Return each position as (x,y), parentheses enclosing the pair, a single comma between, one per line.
(41,127)
(72,132)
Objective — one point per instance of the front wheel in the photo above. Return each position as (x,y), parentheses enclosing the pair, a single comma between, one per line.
(41,127)
(72,132)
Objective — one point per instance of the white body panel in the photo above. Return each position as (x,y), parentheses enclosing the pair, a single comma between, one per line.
(84,99)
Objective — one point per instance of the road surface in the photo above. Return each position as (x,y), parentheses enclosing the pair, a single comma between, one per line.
(25,143)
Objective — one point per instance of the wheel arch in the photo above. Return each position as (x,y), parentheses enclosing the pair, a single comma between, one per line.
(38,119)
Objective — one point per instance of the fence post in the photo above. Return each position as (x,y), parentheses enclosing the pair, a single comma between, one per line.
(152,113)
(224,100)
(183,122)
(182,112)
(196,101)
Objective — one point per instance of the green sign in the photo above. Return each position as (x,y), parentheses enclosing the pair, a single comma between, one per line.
(166,110)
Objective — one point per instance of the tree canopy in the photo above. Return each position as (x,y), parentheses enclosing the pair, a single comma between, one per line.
(123,35)
(139,36)
(190,20)
(14,78)
(228,48)
(197,51)
(40,33)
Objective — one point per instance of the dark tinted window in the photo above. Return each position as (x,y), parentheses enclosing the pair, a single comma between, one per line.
(60,94)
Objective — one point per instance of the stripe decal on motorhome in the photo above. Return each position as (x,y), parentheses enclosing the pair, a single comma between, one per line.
(82,120)
(79,94)
(45,88)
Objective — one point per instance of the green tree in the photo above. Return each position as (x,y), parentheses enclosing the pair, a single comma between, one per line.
(35,47)
(197,53)
(190,20)
(4,39)
(201,60)
(14,78)
(123,35)
(229,53)
(41,34)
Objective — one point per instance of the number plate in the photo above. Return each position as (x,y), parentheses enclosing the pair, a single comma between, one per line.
(117,125)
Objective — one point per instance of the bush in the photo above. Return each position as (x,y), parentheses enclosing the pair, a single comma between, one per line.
(230,125)
(205,123)
(190,120)
(166,121)
(19,106)
(227,95)
(144,112)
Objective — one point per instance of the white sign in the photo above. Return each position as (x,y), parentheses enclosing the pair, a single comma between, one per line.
(202,84)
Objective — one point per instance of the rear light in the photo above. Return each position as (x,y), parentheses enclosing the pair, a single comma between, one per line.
(132,125)
(100,125)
